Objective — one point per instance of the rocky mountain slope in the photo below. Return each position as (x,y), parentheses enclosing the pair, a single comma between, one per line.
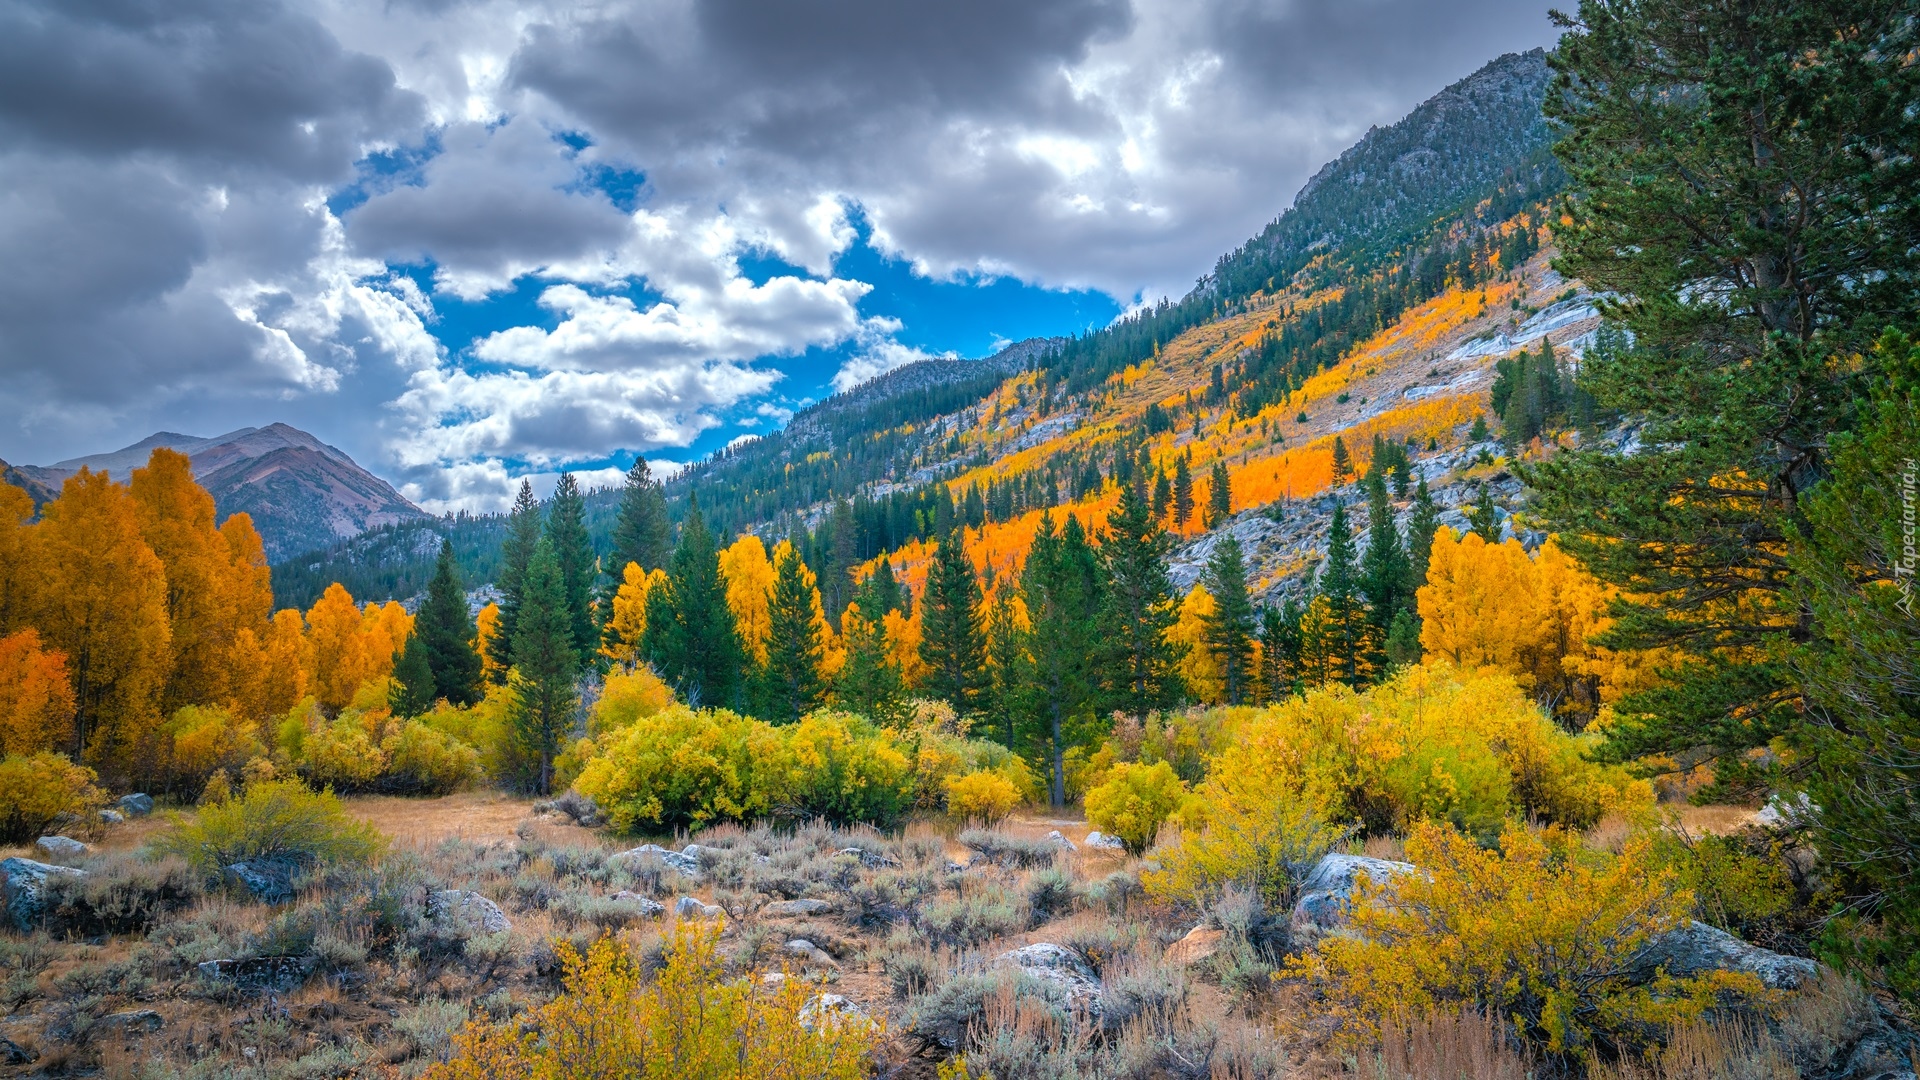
(301,492)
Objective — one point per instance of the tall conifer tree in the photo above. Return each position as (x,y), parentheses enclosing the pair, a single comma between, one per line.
(445,630)
(641,532)
(1220,496)
(523,534)
(1140,665)
(1061,585)
(573,551)
(1345,626)
(1182,493)
(951,642)
(544,664)
(690,636)
(1386,576)
(794,645)
(1230,630)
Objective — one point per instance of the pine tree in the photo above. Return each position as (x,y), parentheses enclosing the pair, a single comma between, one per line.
(1345,629)
(1421,525)
(951,643)
(412,691)
(1061,586)
(640,533)
(794,645)
(1479,433)
(1485,519)
(1733,185)
(523,533)
(881,592)
(1140,665)
(445,631)
(1182,493)
(1386,577)
(1279,650)
(1230,631)
(1342,461)
(567,532)
(869,682)
(1403,639)
(1007,657)
(544,664)
(1220,496)
(1162,494)
(690,636)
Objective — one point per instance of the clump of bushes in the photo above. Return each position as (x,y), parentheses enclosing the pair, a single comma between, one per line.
(367,748)
(981,796)
(1134,801)
(281,820)
(691,1022)
(38,789)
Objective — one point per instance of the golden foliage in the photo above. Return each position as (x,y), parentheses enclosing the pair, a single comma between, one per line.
(1134,801)
(273,819)
(626,621)
(486,627)
(749,575)
(36,789)
(1198,667)
(982,796)
(36,700)
(691,1023)
(1540,931)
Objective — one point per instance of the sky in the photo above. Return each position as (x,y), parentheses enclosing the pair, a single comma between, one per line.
(469,241)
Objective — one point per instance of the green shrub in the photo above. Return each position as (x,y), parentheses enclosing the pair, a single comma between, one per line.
(423,760)
(36,790)
(281,819)
(1134,801)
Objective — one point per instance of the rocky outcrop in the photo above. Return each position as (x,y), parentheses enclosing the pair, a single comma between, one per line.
(1200,943)
(61,847)
(1696,948)
(686,862)
(785,909)
(690,907)
(1099,841)
(23,889)
(1061,967)
(872,860)
(269,881)
(136,1022)
(830,1012)
(1059,839)
(277,973)
(138,804)
(808,951)
(1327,894)
(467,911)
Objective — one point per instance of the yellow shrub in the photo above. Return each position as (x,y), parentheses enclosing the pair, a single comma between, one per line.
(1135,801)
(342,754)
(278,819)
(840,767)
(1539,933)
(985,796)
(691,1023)
(680,767)
(202,739)
(628,696)
(36,789)
(425,761)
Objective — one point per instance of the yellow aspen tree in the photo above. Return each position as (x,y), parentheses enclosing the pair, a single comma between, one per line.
(903,646)
(101,598)
(387,627)
(340,661)
(1199,669)
(36,699)
(16,507)
(1480,605)
(627,622)
(749,576)
(486,627)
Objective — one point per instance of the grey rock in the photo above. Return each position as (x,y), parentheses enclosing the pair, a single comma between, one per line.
(807,950)
(139,804)
(112,817)
(795,908)
(690,907)
(872,860)
(137,1022)
(1059,840)
(23,889)
(268,880)
(678,860)
(1062,967)
(279,973)
(1099,841)
(61,847)
(647,905)
(832,1012)
(1327,893)
(468,911)
(1697,948)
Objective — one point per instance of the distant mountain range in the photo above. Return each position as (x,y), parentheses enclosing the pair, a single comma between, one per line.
(301,493)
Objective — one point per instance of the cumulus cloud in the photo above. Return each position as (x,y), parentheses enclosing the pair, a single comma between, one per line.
(881,354)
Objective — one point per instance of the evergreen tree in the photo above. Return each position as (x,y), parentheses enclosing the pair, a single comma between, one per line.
(573,550)
(1342,461)
(544,664)
(1484,521)
(794,645)
(881,593)
(412,691)
(1162,494)
(1279,650)
(690,636)
(445,631)
(869,682)
(1182,493)
(1735,190)
(1403,639)
(1386,576)
(1007,655)
(1421,525)
(1140,664)
(523,533)
(1479,433)
(951,643)
(1345,627)
(1220,497)
(1230,629)
(1061,587)
(640,532)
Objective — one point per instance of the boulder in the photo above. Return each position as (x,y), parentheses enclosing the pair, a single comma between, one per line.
(784,909)
(647,905)
(1200,943)
(136,1022)
(872,860)
(1061,967)
(1328,891)
(468,911)
(678,860)
(23,889)
(831,1012)
(1059,839)
(689,907)
(268,880)
(1099,841)
(1696,948)
(139,804)
(112,817)
(807,950)
(61,847)
(278,973)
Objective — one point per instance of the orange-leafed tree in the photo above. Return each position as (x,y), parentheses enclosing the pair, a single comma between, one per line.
(100,597)
(351,646)
(36,698)
(486,631)
(16,507)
